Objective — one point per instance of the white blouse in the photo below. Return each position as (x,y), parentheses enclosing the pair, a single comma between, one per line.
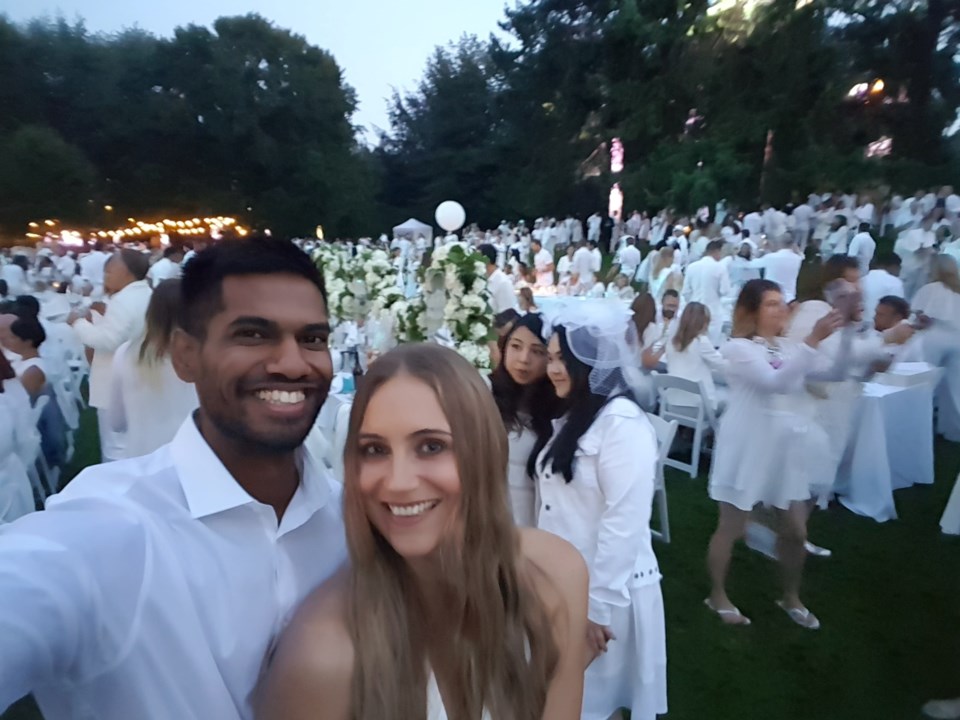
(697,363)
(605,511)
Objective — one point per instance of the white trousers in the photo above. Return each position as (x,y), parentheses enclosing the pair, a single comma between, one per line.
(112,444)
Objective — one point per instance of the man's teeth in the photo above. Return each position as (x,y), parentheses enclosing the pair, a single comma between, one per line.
(282,397)
(411,510)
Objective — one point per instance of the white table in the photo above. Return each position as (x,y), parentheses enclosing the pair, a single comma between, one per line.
(891,448)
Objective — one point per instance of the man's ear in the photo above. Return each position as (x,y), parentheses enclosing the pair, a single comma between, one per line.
(185,355)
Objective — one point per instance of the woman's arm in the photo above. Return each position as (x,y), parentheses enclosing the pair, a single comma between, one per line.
(711,356)
(310,675)
(564,593)
(33,381)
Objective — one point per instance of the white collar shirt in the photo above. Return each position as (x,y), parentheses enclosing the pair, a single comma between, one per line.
(163,269)
(605,510)
(862,247)
(123,320)
(783,268)
(629,260)
(91,266)
(878,284)
(502,295)
(153,588)
(543,262)
(708,282)
(583,265)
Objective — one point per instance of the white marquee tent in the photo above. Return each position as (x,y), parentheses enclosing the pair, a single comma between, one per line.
(413,229)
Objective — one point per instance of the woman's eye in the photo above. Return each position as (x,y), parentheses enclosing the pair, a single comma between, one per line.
(372,451)
(432,447)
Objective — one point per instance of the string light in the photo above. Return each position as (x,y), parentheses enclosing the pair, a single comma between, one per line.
(213,227)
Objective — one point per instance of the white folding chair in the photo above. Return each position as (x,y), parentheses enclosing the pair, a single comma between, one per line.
(698,416)
(38,471)
(666,431)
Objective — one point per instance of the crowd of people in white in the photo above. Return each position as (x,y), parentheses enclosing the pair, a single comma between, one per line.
(710,298)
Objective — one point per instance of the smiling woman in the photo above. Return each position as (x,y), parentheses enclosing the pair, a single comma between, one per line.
(447,609)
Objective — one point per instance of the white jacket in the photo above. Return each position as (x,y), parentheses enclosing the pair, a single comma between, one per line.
(123,320)
(605,511)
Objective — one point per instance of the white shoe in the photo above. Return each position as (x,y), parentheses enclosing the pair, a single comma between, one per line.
(817,551)
(943,709)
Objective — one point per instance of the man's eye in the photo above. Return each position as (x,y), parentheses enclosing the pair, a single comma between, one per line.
(316,341)
(250,334)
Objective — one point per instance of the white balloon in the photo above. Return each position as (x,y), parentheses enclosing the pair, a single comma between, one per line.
(451,215)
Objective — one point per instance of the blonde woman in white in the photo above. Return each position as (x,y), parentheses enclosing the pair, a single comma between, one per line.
(148,401)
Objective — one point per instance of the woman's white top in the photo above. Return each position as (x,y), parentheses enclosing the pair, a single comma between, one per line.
(522,488)
(435,708)
(149,405)
(698,362)
(21,366)
(605,510)
(563,270)
(939,302)
(769,449)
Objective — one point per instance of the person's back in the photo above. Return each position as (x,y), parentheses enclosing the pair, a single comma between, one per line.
(783,268)
(697,363)
(153,401)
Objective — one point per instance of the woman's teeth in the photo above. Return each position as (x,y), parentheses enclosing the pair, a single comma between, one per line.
(411,510)
(282,397)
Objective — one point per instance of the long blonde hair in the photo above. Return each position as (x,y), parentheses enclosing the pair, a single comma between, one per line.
(660,261)
(505,654)
(695,319)
(945,271)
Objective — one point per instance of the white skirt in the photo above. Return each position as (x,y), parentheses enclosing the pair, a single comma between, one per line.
(632,674)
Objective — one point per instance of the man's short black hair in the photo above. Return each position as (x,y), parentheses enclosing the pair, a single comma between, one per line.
(670,293)
(27,306)
(201,287)
(887,260)
(900,306)
(715,246)
(489,252)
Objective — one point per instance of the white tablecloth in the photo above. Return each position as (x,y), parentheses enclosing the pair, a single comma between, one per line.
(891,448)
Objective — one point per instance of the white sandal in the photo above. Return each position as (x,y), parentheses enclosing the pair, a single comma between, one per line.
(724,614)
(801,616)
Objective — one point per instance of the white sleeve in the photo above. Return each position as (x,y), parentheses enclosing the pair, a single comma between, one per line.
(748,362)
(711,356)
(71,590)
(111,332)
(626,471)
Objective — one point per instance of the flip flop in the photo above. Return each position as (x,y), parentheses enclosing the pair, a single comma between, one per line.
(740,618)
(801,616)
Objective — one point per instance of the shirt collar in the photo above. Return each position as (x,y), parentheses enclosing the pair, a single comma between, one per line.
(209,487)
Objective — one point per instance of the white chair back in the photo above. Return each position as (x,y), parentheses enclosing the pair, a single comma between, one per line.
(699,417)
(666,431)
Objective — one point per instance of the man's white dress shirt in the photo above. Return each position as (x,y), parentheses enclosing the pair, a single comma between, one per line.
(708,282)
(629,260)
(862,247)
(783,268)
(123,320)
(582,266)
(15,278)
(877,284)
(153,588)
(91,266)
(502,295)
(543,262)
(163,269)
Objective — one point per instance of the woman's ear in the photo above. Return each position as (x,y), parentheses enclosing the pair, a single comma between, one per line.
(185,355)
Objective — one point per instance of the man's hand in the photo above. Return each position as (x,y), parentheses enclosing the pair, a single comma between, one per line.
(99,307)
(898,335)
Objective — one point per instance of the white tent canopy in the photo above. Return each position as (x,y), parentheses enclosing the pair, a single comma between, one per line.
(413,229)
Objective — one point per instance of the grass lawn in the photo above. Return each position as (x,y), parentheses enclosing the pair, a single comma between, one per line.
(889,601)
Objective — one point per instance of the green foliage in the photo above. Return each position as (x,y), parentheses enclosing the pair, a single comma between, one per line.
(240,115)
(577,73)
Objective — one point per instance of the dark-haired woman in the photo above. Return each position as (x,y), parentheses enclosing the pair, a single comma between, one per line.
(148,401)
(25,337)
(769,451)
(596,484)
(527,404)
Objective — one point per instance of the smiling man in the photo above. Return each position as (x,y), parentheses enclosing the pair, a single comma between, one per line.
(152,588)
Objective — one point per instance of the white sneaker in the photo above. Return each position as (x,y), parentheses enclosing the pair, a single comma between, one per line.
(943,709)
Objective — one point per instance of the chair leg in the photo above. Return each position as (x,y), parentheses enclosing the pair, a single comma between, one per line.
(664,514)
(695,451)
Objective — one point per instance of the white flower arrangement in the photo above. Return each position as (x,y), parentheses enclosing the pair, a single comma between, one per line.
(467,314)
(351,281)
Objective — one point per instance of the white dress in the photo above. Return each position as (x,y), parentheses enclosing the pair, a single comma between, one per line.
(521,485)
(605,513)
(770,449)
(435,708)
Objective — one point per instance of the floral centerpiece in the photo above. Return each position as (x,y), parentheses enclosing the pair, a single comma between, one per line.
(455,298)
(352,281)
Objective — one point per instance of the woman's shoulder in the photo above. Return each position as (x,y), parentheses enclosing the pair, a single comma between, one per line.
(314,656)
(561,576)
(621,407)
